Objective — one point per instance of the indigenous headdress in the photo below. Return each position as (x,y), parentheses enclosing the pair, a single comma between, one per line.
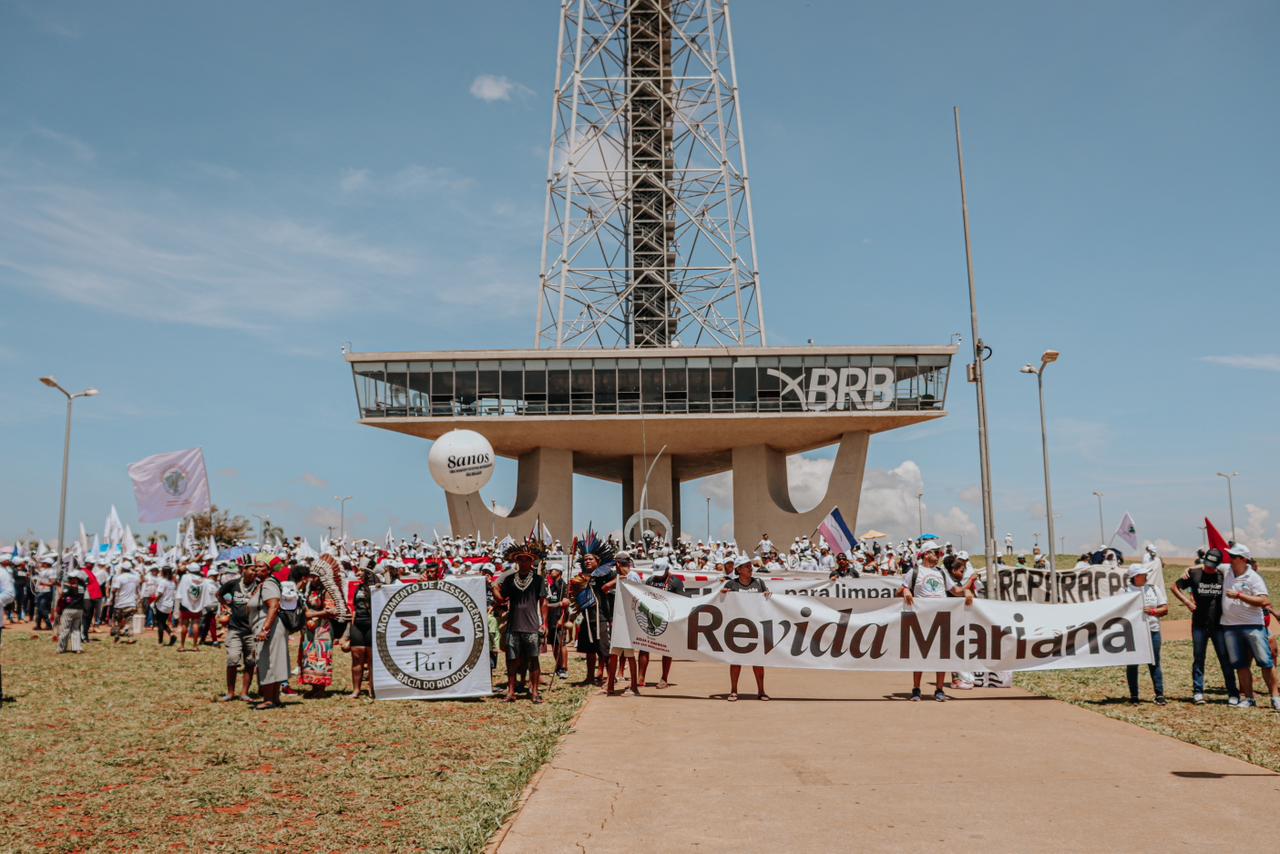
(600,548)
(531,549)
(329,571)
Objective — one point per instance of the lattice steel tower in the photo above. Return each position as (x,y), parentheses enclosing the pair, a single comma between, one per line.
(648,238)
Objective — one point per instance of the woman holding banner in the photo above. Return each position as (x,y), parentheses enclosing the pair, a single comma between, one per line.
(743,581)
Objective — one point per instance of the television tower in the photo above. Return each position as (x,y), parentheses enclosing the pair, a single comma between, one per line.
(648,239)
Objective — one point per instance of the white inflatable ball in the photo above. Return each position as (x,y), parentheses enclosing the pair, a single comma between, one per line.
(461,461)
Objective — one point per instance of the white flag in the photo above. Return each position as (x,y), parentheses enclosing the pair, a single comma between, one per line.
(213,548)
(129,544)
(390,541)
(96,548)
(112,530)
(84,539)
(170,486)
(189,541)
(1127,532)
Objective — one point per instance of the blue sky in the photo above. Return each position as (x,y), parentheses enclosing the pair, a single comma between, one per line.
(200,203)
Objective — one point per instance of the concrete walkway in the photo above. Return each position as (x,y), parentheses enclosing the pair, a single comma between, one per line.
(841,762)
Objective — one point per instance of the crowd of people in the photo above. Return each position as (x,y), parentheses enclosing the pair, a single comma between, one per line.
(544,599)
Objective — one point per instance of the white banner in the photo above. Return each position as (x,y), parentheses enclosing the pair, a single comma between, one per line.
(431,640)
(881,634)
(1072,585)
(170,486)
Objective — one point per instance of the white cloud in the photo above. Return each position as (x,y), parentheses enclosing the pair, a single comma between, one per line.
(331,517)
(492,87)
(79,149)
(1168,549)
(413,180)
(1259,362)
(888,501)
(314,480)
(971,494)
(1258,532)
(354,180)
(161,258)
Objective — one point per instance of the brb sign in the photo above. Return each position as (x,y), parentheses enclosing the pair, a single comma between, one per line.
(845,388)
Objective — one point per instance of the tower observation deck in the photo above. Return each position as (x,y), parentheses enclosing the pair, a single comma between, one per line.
(649,365)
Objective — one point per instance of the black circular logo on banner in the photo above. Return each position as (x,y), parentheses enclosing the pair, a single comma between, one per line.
(430,635)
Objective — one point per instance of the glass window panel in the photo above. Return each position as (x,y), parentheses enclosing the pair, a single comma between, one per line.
(744,388)
(699,384)
(558,390)
(628,379)
(488,385)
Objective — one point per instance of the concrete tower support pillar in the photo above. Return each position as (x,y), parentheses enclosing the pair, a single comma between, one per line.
(663,491)
(544,489)
(762,500)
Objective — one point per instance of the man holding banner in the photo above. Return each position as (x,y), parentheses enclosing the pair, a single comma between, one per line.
(740,583)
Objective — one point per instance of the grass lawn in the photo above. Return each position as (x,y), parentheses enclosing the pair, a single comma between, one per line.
(123,747)
(1252,735)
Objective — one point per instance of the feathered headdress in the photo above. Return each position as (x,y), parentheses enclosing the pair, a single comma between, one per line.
(592,545)
(531,549)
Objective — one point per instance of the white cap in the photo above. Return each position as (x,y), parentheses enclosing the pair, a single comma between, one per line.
(1135,570)
(962,555)
(1239,550)
(742,560)
(930,546)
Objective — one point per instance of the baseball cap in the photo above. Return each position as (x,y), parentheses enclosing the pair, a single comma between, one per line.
(622,557)
(1213,557)
(1137,569)
(930,546)
(962,555)
(1239,550)
(742,560)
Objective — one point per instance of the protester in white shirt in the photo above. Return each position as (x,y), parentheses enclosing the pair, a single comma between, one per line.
(1154,605)
(166,598)
(927,581)
(1245,598)
(124,601)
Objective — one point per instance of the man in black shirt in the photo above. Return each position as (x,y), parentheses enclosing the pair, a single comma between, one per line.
(524,592)
(1204,582)
(242,649)
(557,626)
(663,579)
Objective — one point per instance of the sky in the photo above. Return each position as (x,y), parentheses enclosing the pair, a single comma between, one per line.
(201,203)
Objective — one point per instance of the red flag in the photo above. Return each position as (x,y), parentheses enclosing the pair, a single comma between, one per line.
(1216,540)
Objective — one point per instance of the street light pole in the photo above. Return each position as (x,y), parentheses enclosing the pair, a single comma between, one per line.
(708,521)
(976,376)
(1102,534)
(342,515)
(920,513)
(1231,501)
(66,462)
(1046,359)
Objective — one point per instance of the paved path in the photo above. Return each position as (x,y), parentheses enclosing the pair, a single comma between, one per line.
(841,762)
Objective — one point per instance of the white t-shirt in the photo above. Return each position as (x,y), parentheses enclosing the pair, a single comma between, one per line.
(1235,612)
(827,562)
(126,586)
(933,583)
(191,591)
(164,595)
(1153,596)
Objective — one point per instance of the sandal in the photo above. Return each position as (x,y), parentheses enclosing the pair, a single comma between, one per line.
(537,701)
(733,697)
(228,698)
(663,684)
(763,696)
(262,707)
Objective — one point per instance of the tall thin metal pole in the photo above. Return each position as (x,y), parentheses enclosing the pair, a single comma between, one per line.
(1048,490)
(984,452)
(1231,506)
(708,521)
(1102,532)
(62,504)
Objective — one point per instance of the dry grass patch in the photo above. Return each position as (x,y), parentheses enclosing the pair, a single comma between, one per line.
(124,747)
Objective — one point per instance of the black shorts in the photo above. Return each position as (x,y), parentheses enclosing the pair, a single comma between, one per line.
(594,634)
(362,635)
(522,645)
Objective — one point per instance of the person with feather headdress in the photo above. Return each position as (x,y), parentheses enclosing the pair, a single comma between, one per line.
(524,593)
(591,590)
